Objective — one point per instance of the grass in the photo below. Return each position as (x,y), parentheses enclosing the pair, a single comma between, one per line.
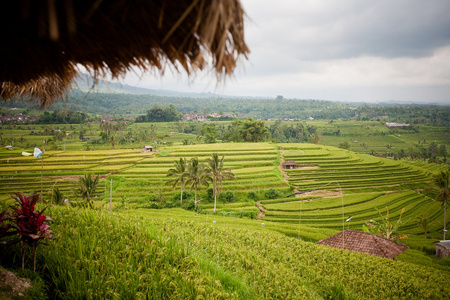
(174,254)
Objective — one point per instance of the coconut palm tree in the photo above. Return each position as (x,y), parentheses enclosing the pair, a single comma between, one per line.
(441,187)
(196,175)
(57,196)
(218,173)
(179,174)
(87,186)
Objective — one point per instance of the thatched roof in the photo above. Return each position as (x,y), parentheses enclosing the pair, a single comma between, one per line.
(43,41)
(290,163)
(364,242)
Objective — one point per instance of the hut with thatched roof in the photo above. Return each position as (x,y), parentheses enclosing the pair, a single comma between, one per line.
(45,42)
(364,242)
(443,248)
(290,164)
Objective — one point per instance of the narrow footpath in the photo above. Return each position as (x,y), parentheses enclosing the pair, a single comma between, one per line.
(258,204)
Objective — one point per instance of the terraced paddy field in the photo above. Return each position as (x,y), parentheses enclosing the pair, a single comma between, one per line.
(349,169)
(259,246)
(136,175)
(334,183)
(255,167)
(60,169)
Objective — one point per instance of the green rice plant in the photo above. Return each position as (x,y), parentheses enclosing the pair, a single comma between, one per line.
(172,254)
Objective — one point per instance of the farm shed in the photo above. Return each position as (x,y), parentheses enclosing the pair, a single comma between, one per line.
(364,242)
(443,248)
(148,148)
(393,125)
(290,164)
(47,41)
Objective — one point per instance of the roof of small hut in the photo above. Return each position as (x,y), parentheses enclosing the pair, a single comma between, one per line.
(364,242)
(444,243)
(46,41)
(290,163)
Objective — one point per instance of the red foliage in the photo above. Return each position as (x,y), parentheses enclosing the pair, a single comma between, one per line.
(30,224)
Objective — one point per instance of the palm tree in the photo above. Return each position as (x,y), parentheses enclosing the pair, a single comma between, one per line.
(441,183)
(217,173)
(87,186)
(196,175)
(179,172)
(57,196)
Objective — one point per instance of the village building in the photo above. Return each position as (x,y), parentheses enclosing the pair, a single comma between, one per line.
(393,125)
(443,248)
(364,242)
(194,117)
(148,148)
(290,164)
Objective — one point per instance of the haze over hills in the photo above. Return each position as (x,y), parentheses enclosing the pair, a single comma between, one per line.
(85,83)
(109,98)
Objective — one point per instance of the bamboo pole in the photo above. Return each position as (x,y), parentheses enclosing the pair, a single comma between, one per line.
(42,169)
(110,196)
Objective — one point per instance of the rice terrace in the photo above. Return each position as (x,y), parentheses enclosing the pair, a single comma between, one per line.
(121,178)
(138,240)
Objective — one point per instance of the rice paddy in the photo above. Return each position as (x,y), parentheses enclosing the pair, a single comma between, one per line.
(259,246)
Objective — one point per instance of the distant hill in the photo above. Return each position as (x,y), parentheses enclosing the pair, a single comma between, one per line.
(108,98)
(85,83)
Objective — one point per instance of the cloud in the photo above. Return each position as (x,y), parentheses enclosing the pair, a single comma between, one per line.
(341,29)
(338,50)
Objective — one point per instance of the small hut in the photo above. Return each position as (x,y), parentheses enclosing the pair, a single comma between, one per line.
(290,164)
(148,148)
(364,242)
(443,248)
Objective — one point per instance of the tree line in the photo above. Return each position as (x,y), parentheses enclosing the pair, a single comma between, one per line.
(257,108)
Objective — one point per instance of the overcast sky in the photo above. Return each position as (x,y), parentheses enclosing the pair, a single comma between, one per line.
(346,50)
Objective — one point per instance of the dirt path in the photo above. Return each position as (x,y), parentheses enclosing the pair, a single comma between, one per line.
(12,286)
(261,213)
(280,167)
(258,204)
(283,172)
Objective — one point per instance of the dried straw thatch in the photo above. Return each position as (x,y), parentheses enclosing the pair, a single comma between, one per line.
(364,242)
(45,40)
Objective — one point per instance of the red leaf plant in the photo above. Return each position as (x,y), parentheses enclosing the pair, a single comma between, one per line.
(29,224)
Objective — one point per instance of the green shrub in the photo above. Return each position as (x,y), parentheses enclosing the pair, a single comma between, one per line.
(186,196)
(271,194)
(189,204)
(445,261)
(170,204)
(209,195)
(228,196)
(252,195)
(154,205)
(150,198)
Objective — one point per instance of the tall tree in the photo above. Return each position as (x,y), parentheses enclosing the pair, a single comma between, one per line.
(218,173)
(441,188)
(210,134)
(179,175)
(196,175)
(87,186)
(253,131)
